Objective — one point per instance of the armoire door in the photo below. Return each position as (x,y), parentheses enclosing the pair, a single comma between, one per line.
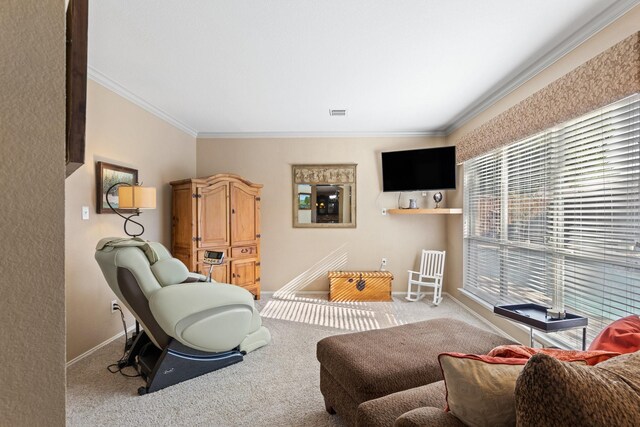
(244,215)
(243,272)
(213,215)
(220,273)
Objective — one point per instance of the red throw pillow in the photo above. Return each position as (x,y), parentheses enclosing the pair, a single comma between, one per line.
(622,336)
(591,357)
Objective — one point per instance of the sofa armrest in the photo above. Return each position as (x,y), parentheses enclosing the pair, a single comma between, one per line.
(385,410)
(428,416)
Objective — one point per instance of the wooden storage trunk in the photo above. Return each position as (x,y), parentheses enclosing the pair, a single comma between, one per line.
(360,285)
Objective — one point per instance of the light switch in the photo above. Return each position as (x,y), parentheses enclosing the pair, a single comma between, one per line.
(85,212)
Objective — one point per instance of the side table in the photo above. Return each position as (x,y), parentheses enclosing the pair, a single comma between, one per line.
(535,317)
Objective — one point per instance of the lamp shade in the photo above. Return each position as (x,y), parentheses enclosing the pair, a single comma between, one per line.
(136,197)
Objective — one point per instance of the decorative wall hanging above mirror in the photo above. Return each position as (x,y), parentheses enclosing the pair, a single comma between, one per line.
(324,196)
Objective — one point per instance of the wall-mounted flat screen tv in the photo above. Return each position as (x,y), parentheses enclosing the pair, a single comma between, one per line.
(418,170)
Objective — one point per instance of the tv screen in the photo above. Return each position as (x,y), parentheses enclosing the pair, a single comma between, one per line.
(417,170)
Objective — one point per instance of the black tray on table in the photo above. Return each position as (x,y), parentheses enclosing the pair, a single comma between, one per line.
(535,316)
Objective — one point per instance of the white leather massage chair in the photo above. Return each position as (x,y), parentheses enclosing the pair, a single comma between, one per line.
(190,326)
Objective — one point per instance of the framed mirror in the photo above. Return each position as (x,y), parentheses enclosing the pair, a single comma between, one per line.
(324,196)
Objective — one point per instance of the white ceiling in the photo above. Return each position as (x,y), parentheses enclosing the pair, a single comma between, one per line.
(276,67)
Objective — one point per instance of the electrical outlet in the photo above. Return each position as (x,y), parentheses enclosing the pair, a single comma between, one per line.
(384,211)
(424,194)
(113,306)
(384,262)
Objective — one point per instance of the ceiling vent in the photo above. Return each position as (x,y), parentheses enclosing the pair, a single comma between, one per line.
(337,112)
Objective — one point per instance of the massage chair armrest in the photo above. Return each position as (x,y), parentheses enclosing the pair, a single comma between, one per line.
(197,277)
(171,304)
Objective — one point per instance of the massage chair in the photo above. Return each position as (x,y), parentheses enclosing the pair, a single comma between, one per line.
(189,326)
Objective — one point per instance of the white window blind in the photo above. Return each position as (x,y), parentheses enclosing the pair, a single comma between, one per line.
(556,217)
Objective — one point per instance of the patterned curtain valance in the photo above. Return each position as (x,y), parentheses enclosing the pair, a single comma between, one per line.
(610,76)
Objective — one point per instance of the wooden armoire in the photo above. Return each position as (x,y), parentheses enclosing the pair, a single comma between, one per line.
(221,213)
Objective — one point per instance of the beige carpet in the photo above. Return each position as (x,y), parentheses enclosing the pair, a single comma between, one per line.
(277,385)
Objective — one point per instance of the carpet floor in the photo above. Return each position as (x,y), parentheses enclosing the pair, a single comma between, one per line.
(277,385)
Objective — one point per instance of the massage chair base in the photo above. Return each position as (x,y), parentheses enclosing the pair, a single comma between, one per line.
(176,363)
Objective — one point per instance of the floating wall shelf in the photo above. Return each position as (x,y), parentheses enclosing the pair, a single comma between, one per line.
(439,211)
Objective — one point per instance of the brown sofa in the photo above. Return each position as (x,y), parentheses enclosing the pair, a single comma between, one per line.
(548,393)
(361,367)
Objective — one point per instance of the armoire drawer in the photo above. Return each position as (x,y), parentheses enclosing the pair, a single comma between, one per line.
(244,252)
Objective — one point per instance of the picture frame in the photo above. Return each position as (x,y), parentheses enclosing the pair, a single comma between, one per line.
(315,178)
(108,174)
(304,201)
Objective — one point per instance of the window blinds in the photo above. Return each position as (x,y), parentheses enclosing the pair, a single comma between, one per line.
(555,218)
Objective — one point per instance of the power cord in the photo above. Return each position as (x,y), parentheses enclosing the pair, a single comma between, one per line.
(122,362)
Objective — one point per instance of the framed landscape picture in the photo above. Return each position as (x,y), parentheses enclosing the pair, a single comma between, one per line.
(304,201)
(107,175)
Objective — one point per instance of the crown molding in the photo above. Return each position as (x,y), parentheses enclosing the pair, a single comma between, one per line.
(273,135)
(116,87)
(539,62)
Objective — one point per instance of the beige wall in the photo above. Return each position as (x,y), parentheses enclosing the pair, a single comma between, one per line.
(288,252)
(627,25)
(32,132)
(117,132)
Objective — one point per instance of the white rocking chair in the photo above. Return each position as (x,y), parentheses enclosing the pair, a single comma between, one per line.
(430,275)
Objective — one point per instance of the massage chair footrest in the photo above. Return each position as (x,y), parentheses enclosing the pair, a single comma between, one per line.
(177,363)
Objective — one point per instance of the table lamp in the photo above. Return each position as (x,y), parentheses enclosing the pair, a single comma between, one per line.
(132,197)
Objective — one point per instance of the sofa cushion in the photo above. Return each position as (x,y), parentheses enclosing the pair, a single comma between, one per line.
(428,416)
(480,388)
(552,392)
(622,336)
(384,411)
